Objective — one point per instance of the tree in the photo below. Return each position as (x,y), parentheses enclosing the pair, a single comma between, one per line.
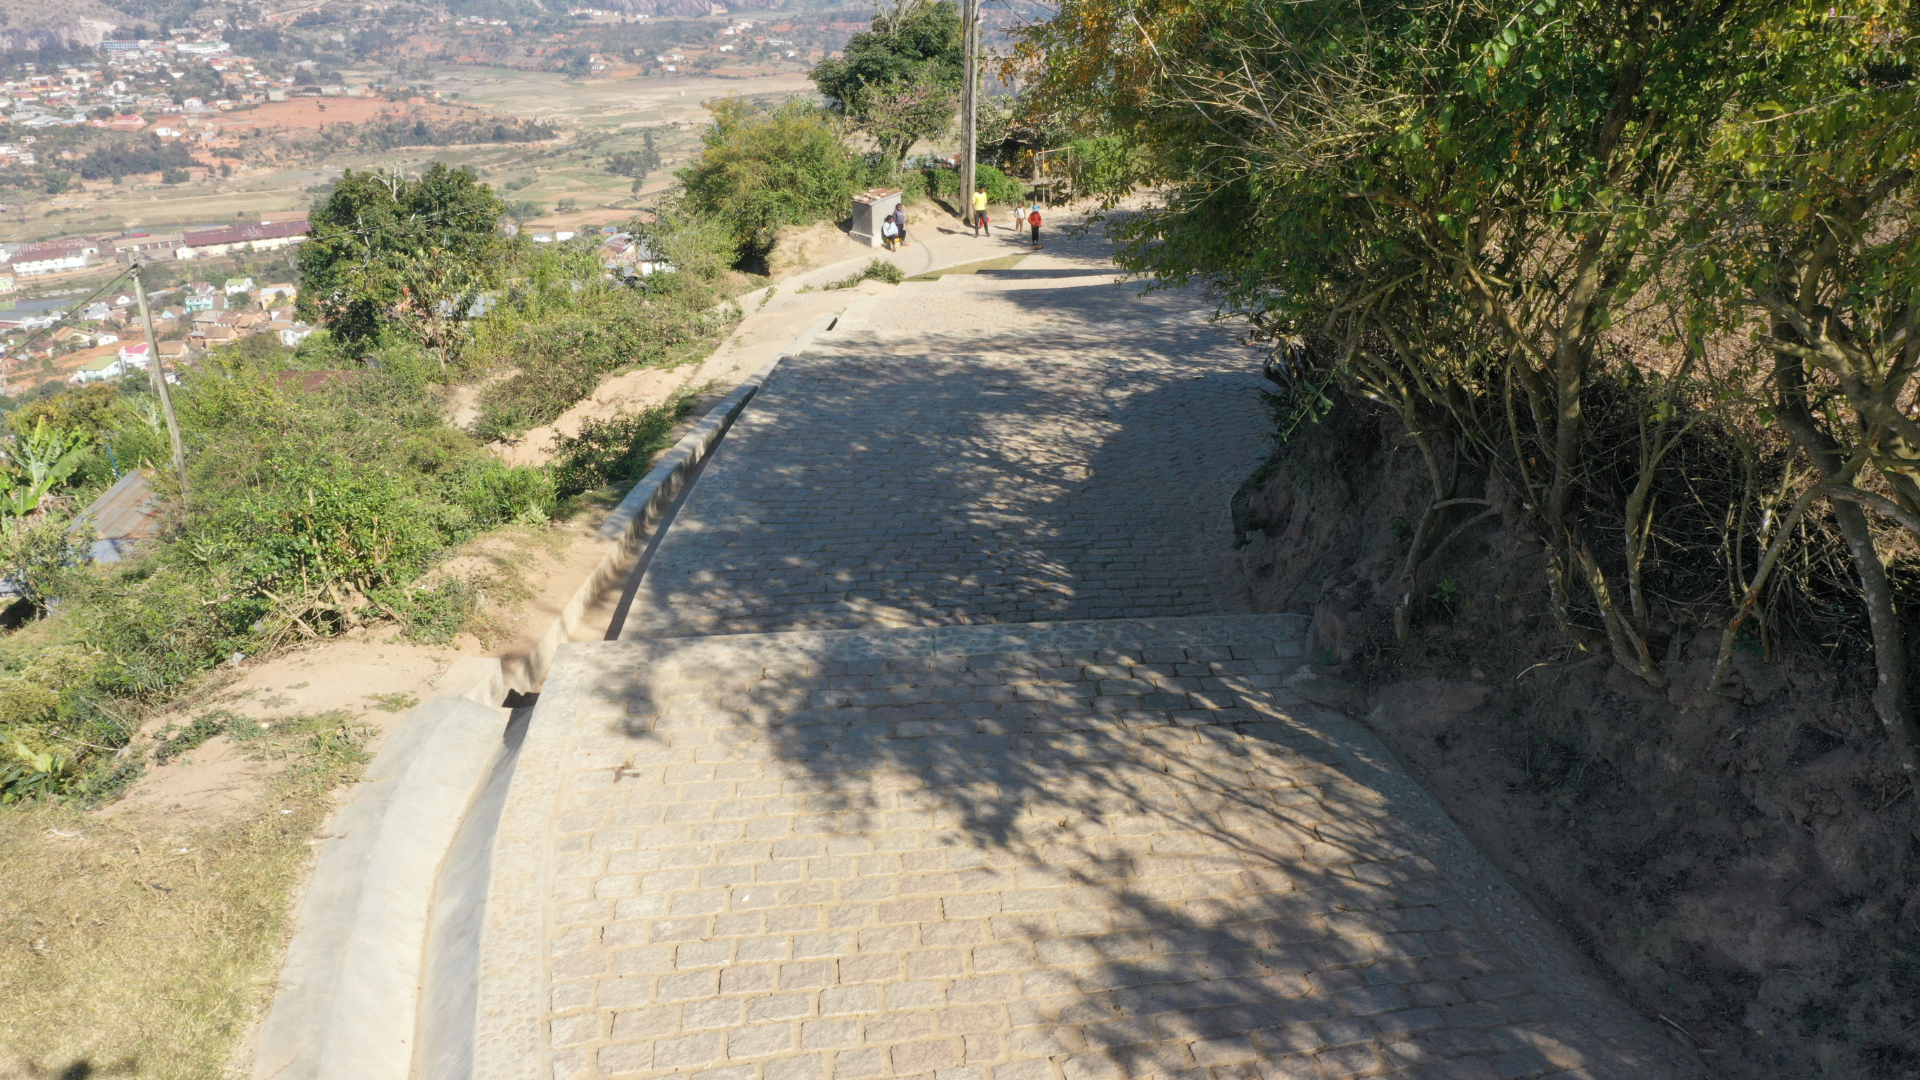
(760,169)
(1454,206)
(386,252)
(1810,218)
(636,163)
(899,81)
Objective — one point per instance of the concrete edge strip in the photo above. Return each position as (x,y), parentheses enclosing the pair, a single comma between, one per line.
(349,987)
(625,531)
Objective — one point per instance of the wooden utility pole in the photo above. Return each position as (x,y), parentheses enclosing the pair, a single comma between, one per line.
(159,375)
(969,104)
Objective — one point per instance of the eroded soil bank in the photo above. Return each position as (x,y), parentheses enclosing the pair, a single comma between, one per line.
(1744,869)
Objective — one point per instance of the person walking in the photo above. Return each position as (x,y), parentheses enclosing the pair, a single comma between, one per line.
(900,223)
(980,222)
(1033,220)
(1015,217)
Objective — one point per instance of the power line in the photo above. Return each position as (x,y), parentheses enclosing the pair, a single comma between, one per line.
(81,306)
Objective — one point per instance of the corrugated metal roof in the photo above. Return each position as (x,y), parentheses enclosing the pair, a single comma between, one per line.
(123,515)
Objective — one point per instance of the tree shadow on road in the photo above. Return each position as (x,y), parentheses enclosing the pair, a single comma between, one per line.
(1090,873)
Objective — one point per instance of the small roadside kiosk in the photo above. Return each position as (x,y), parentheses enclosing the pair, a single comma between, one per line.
(869,209)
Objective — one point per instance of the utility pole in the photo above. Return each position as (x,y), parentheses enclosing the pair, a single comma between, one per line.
(969,104)
(159,376)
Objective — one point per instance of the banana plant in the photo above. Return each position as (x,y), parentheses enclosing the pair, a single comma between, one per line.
(36,463)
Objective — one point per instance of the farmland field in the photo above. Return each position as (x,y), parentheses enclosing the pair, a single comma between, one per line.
(279,173)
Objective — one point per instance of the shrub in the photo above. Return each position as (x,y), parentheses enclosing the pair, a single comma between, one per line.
(620,448)
(760,169)
(945,183)
(430,616)
(35,553)
(875,270)
(312,525)
(496,494)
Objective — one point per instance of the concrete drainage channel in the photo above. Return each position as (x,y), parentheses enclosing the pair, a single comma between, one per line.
(379,980)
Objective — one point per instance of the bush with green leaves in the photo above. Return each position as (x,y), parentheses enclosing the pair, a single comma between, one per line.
(945,183)
(760,169)
(616,449)
(495,493)
(875,270)
(899,81)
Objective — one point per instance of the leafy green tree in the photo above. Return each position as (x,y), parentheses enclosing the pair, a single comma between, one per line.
(898,82)
(413,255)
(760,169)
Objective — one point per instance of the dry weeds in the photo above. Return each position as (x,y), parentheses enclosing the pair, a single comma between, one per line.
(131,946)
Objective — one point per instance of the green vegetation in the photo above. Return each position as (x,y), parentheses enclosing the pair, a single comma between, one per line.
(149,155)
(945,184)
(636,163)
(760,169)
(311,512)
(1550,231)
(617,449)
(898,82)
(392,134)
(410,255)
(875,270)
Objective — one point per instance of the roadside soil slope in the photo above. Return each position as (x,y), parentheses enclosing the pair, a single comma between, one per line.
(1745,869)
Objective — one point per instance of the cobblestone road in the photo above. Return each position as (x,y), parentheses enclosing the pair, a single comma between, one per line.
(848,802)
(1044,446)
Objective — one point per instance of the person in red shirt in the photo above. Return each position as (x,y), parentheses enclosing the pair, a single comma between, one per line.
(1033,221)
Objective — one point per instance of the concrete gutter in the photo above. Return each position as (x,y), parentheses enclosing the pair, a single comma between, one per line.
(628,528)
(349,988)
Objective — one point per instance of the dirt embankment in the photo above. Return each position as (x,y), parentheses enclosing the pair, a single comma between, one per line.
(1745,869)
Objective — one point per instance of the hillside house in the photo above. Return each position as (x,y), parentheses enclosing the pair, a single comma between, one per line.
(101,370)
(237,285)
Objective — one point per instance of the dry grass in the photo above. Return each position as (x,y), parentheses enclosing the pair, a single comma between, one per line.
(139,947)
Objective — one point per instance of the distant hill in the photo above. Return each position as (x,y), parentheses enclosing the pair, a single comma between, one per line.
(37,24)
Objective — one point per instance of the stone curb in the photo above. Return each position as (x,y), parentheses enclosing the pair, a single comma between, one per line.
(349,987)
(628,528)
